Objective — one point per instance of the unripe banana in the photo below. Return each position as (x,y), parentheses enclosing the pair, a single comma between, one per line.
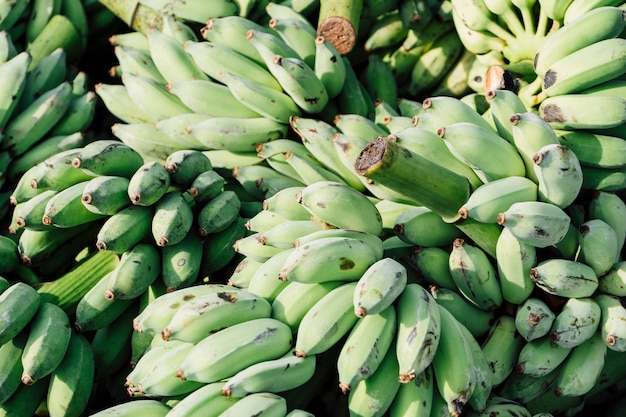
(180,263)
(111,345)
(47,342)
(598,245)
(496,196)
(106,194)
(148,184)
(524,388)
(108,157)
(152,407)
(374,242)
(185,165)
(432,264)
(536,223)
(71,383)
(533,319)
(327,321)
(65,209)
(217,214)
(265,282)
(594,149)
(540,357)
(11,365)
(138,268)
(582,368)
(422,227)
(26,399)
(124,229)
(211,312)
(612,318)
(475,275)
(258,404)
(559,174)
(293,301)
(614,281)
(275,375)
(226,352)
(504,104)
(514,259)
(565,278)
(284,235)
(577,321)
(328,66)
(285,204)
(365,347)
(327,200)
(379,286)
(609,207)
(419,331)
(18,305)
(173,218)
(205,186)
(206,401)
(501,348)
(329,259)
(564,111)
(416,397)
(477,321)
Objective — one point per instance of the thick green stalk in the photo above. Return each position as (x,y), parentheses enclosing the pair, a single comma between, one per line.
(136,15)
(338,22)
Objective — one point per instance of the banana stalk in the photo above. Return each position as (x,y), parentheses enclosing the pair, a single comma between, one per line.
(339,23)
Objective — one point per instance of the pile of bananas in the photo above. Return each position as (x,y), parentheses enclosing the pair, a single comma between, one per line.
(431,224)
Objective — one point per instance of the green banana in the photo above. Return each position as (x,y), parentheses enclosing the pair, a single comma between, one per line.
(503,104)
(559,173)
(328,66)
(594,149)
(180,263)
(326,322)
(173,218)
(11,365)
(432,263)
(65,209)
(124,229)
(15,71)
(514,260)
(414,398)
(411,226)
(613,281)
(152,97)
(17,312)
(274,375)
(29,213)
(116,99)
(206,401)
(138,268)
(533,319)
(106,194)
(419,331)
(298,33)
(577,321)
(236,134)
(47,343)
(598,245)
(108,157)
(612,313)
(148,184)
(217,214)
(501,348)
(228,351)
(110,346)
(207,314)
(265,283)
(171,59)
(256,404)
(565,278)
(218,249)
(71,383)
(379,287)
(26,399)
(152,407)
(536,223)
(564,111)
(79,115)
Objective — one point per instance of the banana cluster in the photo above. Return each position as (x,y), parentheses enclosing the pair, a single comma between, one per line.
(45,363)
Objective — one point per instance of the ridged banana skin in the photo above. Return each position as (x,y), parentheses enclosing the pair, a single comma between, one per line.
(533,319)
(565,278)
(124,229)
(365,347)
(453,364)
(206,401)
(217,214)
(585,67)
(151,407)
(379,287)
(414,398)
(473,143)
(441,111)
(232,349)
(496,196)
(71,383)
(599,23)
(116,99)
(475,275)
(613,315)
(423,227)
(171,59)
(152,97)
(29,213)
(47,343)
(258,404)
(577,321)
(11,365)
(531,133)
(602,111)
(501,348)
(419,331)
(108,157)
(137,269)
(614,281)
(65,209)
(559,173)
(275,375)
(161,379)
(326,201)
(599,247)
(373,396)
(180,263)
(327,321)
(18,305)
(173,218)
(106,194)
(540,357)
(208,313)
(149,183)
(536,223)
(582,368)
(514,259)
(292,302)
(328,259)
(477,321)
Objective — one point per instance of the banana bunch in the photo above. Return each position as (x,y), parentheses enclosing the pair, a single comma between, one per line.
(44,361)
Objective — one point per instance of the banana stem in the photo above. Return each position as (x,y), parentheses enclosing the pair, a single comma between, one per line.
(419,179)
(136,15)
(338,22)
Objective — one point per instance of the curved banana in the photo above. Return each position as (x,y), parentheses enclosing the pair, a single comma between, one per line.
(137,269)
(536,223)
(533,319)
(565,111)
(608,207)
(477,321)
(19,304)
(577,321)
(379,286)
(501,348)
(598,246)
(124,229)
(541,357)
(106,194)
